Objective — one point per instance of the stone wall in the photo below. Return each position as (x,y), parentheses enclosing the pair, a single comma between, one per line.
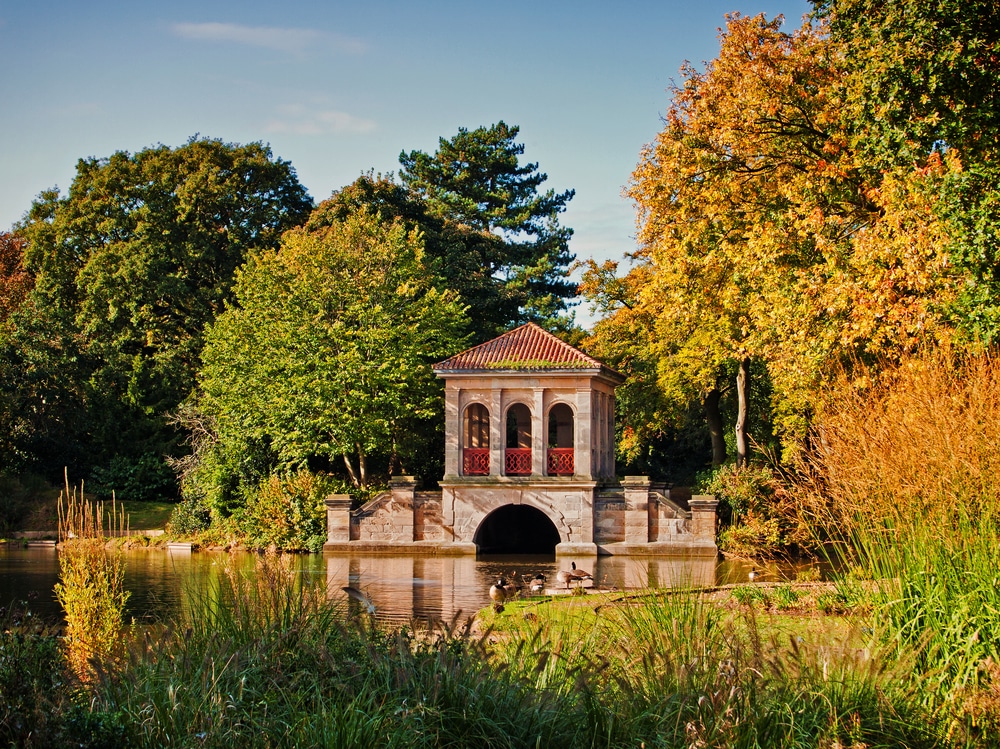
(636,517)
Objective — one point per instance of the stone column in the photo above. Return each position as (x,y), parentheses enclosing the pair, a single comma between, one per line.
(338,518)
(452,431)
(583,442)
(636,509)
(498,432)
(539,434)
(703,516)
(403,489)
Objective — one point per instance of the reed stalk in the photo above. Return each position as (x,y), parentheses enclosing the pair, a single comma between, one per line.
(91,583)
(904,481)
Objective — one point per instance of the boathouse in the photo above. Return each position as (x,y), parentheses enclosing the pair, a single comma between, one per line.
(529,467)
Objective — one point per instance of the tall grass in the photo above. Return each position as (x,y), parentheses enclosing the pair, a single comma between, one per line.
(904,477)
(672,669)
(91,584)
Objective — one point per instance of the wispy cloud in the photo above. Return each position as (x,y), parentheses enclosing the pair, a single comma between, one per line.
(290,40)
(300,120)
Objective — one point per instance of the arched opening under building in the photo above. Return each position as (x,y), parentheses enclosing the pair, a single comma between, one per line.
(516,529)
(559,456)
(476,441)
(517,456)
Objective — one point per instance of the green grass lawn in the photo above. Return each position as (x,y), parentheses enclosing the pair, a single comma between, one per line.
(140,516)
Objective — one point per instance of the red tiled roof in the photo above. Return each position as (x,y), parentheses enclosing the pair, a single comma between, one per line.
(528,347)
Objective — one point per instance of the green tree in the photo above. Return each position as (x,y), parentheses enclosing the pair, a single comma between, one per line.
(476,180)
(134,262)
(327,352)
(452,251)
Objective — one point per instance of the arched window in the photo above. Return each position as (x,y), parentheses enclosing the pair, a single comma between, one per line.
(517,460)
(559,457)
(476,441)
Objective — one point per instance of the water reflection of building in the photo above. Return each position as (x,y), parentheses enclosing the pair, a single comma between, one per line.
(443,588)
(529,467)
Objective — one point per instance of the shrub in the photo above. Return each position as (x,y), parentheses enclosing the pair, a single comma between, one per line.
(287,512)
(31,678)
(904,479)
(190,516)
(143,478)
(752,537)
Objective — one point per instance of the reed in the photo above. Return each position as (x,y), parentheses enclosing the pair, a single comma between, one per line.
(91,583)
(904,481)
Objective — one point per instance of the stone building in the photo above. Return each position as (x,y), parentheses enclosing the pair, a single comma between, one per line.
(529,467)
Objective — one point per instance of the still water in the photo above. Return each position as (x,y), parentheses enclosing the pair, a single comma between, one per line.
(164,585)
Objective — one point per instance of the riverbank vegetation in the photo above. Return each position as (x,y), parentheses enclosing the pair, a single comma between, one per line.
(267,662)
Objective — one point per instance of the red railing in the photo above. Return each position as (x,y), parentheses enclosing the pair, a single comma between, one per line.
(560,461)
(476,461)
(517,461)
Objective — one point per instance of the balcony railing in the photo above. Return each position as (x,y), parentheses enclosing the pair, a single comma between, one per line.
(560,461)
(476,461)
(517,461)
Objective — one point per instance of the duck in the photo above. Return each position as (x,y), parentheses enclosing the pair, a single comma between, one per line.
(564,577)
(573,575)
(579,575)
(752,574)
(360,597)
(498,591)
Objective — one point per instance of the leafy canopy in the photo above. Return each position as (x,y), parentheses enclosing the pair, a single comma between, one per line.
(129,268)
(328,351)
(476,180)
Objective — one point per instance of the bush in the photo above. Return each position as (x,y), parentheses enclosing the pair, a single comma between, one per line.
(287,512)
(18,495)
(31,678)
(753,537)
(904,479)
(190,516)
(143,478)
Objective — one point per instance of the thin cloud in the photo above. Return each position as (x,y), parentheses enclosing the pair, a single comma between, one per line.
(289,40)
(299,120)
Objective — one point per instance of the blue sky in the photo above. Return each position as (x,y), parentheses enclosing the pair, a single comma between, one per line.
(338,88)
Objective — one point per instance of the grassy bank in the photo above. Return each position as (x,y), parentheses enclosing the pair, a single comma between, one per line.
(272,664)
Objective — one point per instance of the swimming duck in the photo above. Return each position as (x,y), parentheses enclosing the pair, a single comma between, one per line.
(361,598)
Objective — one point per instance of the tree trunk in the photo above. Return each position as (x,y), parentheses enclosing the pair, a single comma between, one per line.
(350,470)
(362,467)
(742,389)
(714,418)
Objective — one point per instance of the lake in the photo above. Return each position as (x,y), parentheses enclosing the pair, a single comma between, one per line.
(164,585)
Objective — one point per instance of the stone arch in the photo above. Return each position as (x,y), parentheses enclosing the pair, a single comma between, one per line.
(517,529)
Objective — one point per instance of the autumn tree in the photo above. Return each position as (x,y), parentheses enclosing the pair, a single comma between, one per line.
(15,281)
(513,249)
(921,88)
(761,239)
(136,259)
(326,353)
